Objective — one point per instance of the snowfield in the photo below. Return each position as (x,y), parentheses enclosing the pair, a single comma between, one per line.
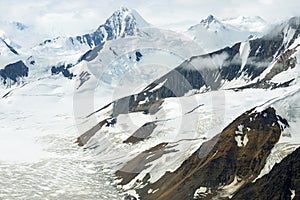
(42,115)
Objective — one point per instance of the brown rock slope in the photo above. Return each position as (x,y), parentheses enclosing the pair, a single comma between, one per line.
(141,162)
(283,182)
(237,155)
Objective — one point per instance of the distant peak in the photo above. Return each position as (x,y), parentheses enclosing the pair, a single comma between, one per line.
(123,12)
(212,23)
(247,23)
(209,19)
(124,9)
(122,23)
(250,18)
(19,25)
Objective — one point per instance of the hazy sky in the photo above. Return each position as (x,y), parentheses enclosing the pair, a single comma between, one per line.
(80,16)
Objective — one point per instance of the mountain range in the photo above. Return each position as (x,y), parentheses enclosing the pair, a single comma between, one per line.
(209,113)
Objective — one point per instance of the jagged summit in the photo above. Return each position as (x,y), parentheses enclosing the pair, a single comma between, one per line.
(123,22)
(208,20)
(217,34)
(131,13)
(210,23)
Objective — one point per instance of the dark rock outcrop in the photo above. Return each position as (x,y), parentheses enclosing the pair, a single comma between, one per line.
(91,54)
(128,172)
(138,56)
(9,47)
(14,71)
(284,61)
(215,68)
(63,69)
(121,24)
(142,133)
(85,137)
(283,179)
(210,71)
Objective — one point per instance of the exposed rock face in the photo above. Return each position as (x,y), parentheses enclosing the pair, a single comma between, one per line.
(84,138)
(266,85)
(283,182)
(283,62)
(122,23)
(213,69)
(238,153)
(91,54)
(227,64)
(133,103)
(142,133)
(14,71)
(140,162)
(64,69)
(209,20)
(9,47)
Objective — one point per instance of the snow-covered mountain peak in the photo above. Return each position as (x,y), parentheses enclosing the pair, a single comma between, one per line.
(208,20)
(140,21)
(120,15)
(249,19)
(247,23)
(122,11)
(125,18)
(212,23)
(123,22)
(212,34)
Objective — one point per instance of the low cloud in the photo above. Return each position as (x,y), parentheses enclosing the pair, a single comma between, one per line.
(208,62)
